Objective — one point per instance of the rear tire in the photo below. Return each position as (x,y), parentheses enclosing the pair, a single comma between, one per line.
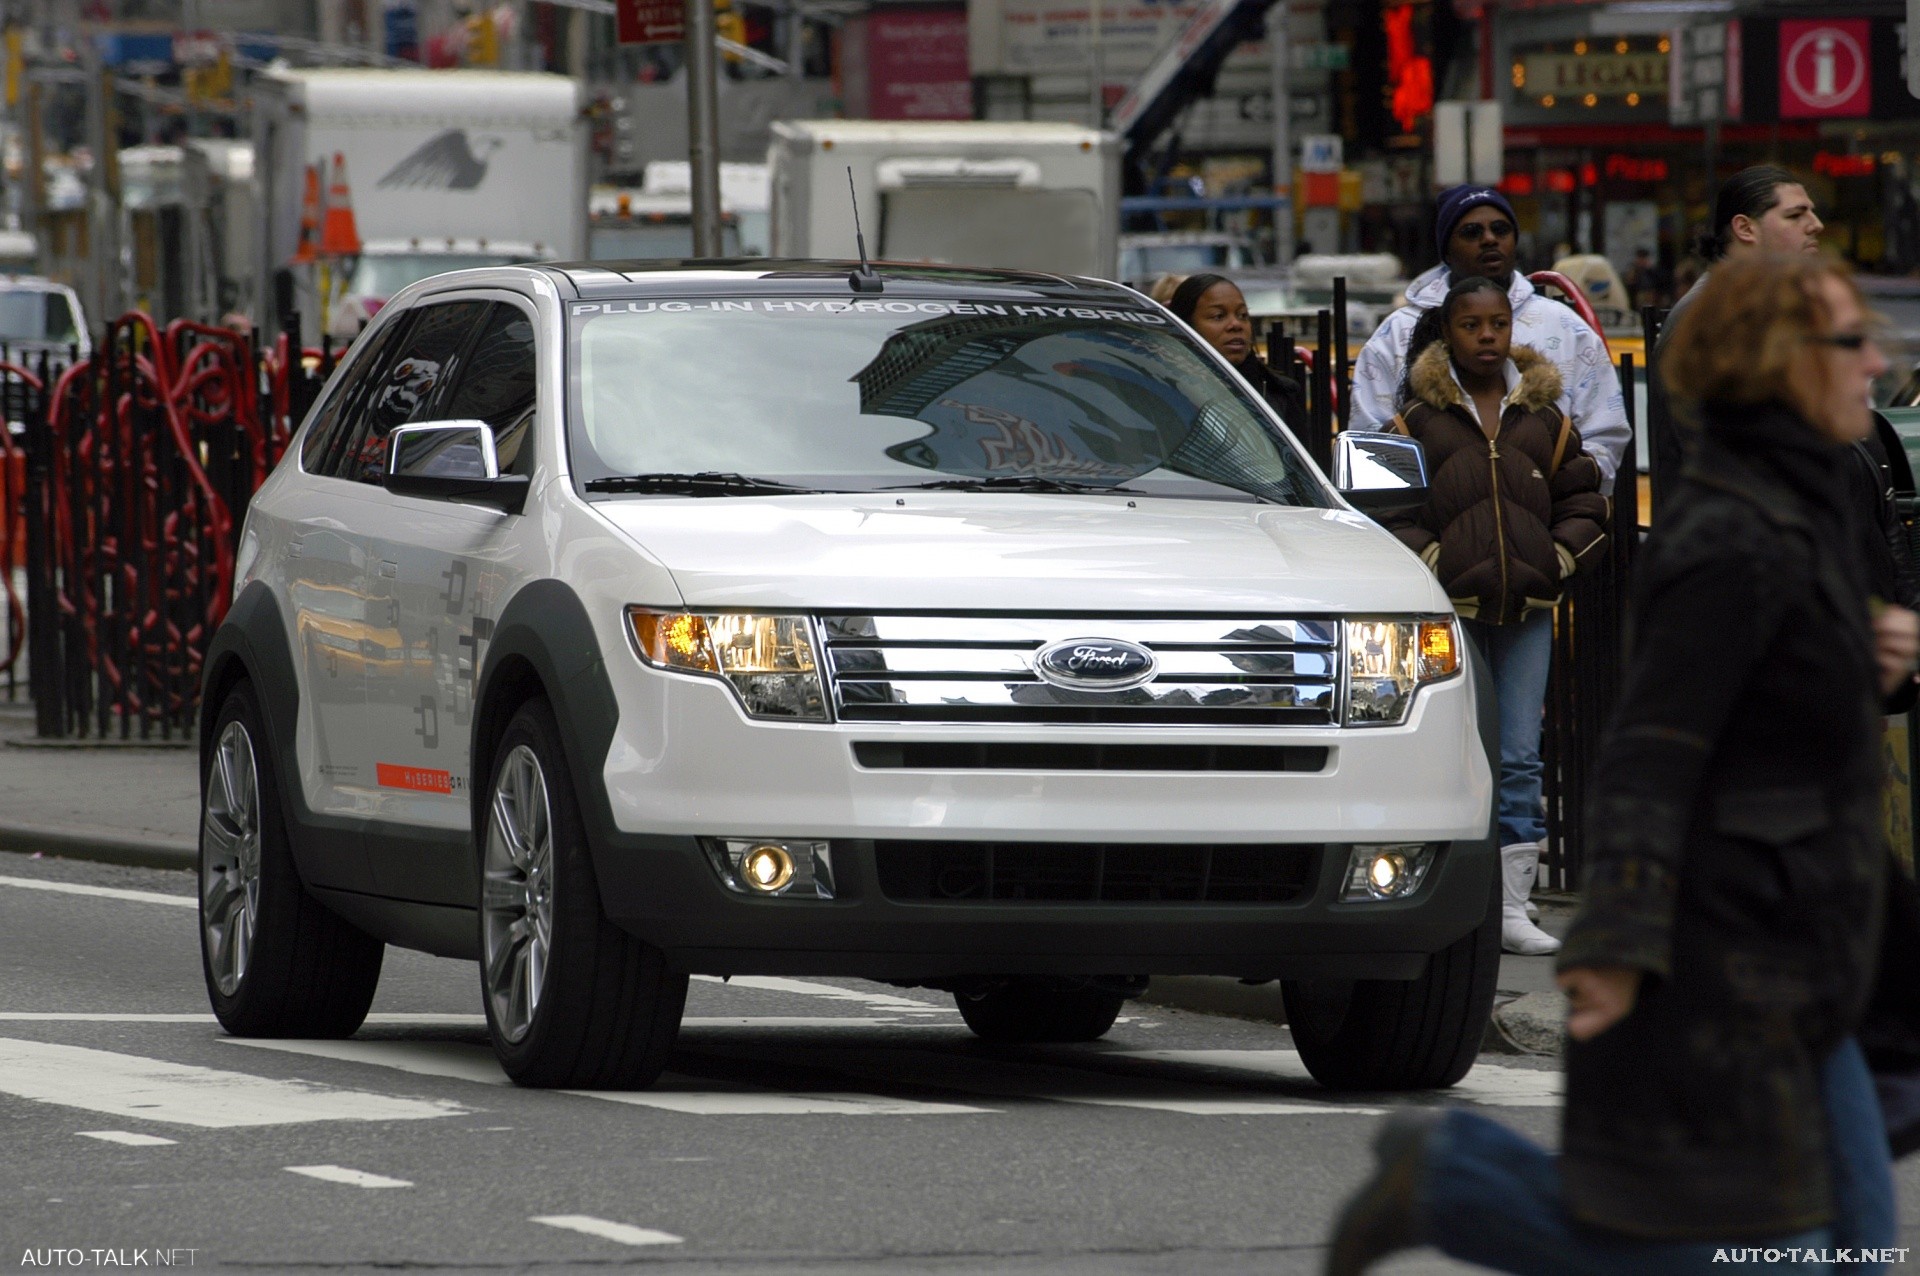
(1417,1034)
(572,1000)
(1033,1011)
(277,962)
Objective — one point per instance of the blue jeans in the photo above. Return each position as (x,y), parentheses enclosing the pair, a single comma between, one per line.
(1492,1197)
(1519,657)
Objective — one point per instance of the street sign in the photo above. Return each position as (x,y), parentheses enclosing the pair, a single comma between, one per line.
(650,21)
(1825,70)
(1704,74)
(1321,153)
(1469,143)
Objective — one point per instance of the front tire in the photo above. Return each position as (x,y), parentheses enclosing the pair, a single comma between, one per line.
(572,1000)
(1386,1034)
(277,962)
(1035,1011)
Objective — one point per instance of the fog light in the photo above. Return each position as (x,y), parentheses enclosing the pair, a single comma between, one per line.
(767,868)
(772,866)
(1386,872)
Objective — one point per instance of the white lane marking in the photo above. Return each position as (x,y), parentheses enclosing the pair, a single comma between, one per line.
(423,1020)
(40,1017)
(806,987)
(806,1021)
(104,892)
(692,1096)
(126,1137)
(1490,1084)
(605,1230)
(154,1090)
(1051,1083)
(341,1174)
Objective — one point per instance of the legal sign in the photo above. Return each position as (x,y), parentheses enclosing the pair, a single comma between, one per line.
(650,21)
(1825,72)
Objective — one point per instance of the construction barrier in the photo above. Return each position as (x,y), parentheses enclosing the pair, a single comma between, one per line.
(136,467)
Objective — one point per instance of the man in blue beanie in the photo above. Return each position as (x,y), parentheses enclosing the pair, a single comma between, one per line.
(1478,235)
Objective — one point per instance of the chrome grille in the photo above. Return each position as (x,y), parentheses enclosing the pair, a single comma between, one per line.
(1229,671)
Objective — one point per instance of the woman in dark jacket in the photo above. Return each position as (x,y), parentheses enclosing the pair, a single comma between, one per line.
(1214,307)
(1716,1097)
(1515,509)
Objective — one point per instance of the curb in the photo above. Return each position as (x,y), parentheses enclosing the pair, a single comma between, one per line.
(102,847)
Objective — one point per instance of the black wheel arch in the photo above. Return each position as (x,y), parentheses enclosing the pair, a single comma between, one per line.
(544,644)
(251,645)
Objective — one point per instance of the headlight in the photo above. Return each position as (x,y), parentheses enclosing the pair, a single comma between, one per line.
(768,660)
(1389,660)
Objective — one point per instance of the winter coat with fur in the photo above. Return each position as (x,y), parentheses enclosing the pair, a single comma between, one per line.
(1504,524)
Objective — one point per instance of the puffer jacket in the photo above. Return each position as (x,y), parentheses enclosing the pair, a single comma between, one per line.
(1509,517)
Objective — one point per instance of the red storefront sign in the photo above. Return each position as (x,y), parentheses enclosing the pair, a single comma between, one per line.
(917,64)
(650,21)
(1824,68)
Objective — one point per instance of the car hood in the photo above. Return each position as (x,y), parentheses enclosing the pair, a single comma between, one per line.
(1018,552)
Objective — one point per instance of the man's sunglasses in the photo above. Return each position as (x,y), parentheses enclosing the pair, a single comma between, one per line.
(1480,230)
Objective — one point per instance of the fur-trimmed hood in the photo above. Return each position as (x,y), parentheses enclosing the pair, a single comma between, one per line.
(1433,382)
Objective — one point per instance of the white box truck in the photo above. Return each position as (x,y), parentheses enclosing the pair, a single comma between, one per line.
(446,169)
(1018,195)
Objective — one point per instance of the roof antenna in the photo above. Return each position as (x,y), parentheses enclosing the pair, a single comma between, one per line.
(863,279)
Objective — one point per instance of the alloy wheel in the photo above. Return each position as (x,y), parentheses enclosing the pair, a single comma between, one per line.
(516,905)
(230,858)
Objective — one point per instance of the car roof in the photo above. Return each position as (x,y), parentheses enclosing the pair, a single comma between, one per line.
(751,275)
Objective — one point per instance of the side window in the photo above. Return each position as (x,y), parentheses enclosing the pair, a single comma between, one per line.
(408,385)
(326,443)
(500,387)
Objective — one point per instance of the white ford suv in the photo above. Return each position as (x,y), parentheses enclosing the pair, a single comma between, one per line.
(971,630)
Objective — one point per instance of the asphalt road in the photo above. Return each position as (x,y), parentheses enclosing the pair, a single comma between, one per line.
(805,1126)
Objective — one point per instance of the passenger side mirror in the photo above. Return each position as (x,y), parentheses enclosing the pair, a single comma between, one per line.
(1380,472)
(451,460)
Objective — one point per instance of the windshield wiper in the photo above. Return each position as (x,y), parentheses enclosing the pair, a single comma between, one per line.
(705,483)
(1012,483)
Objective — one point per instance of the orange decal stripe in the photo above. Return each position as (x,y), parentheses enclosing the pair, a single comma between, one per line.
(416,779)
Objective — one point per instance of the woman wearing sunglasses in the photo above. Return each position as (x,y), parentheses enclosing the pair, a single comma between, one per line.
(1720,965)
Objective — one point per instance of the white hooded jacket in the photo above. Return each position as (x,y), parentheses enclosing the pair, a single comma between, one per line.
(1591,395)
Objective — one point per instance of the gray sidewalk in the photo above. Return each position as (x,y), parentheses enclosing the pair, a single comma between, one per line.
(132,804)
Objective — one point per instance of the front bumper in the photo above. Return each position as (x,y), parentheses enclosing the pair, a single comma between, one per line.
(686,763)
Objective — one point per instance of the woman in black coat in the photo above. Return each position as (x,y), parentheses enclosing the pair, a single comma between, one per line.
(1214,307)
(1736,882)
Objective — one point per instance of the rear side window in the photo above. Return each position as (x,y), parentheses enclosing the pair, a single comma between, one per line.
(408,386)
(500,386)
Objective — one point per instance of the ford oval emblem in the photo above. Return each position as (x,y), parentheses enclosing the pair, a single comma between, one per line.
(1094,664)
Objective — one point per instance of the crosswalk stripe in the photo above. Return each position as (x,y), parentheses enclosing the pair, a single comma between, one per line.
(181,1094)
(808,988)
(1053,1083)
(126,1137)
(1489,1084)
(341,1174)
(672,1093)
(605,1230)
(102,892)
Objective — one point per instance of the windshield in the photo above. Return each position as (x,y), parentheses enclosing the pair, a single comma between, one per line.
(35,314)
(865,395)
(383,274)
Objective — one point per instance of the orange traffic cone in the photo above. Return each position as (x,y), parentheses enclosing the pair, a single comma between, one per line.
(339,237)
(309,219)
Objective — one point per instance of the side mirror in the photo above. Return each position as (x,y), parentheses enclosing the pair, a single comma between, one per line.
(1380,472)
(451,460)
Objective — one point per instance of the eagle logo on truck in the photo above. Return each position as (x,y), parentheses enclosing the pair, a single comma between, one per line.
(1094,664)
(446,162)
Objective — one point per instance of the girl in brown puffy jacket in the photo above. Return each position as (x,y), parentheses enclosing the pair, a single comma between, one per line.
(1515,509)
